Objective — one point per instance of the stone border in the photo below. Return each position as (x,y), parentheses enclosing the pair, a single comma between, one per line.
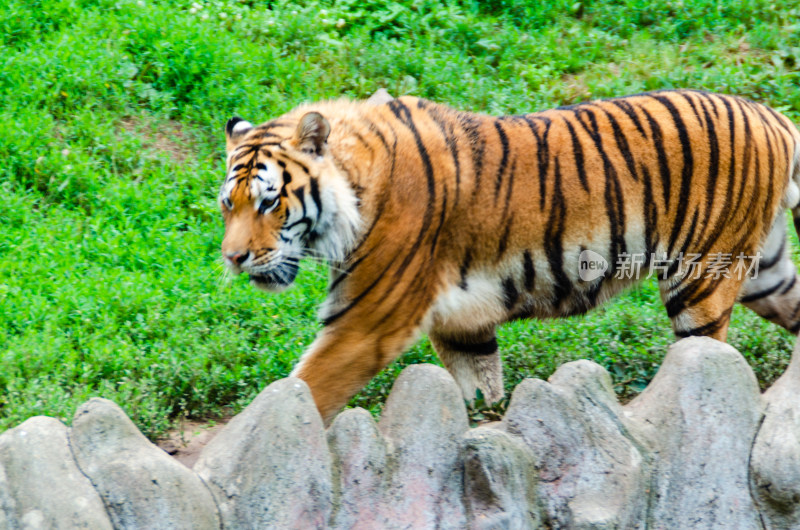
(699,448)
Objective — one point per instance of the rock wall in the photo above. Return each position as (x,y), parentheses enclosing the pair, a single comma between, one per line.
(699,448)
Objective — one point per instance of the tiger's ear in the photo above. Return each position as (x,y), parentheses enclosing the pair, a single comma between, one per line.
(234,130)
(312,133)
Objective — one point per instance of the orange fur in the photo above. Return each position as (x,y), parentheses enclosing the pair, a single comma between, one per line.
(453,223)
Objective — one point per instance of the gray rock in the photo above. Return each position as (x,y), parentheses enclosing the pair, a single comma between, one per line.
(703,409)
(141,485)
(8,508)
(380,97)
(40,484)
(361,470)
(423,421)
(500,481)
(270,466)
(775,459)
(592,466)
(699,448)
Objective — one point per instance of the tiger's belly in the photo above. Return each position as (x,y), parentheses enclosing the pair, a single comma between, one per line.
(521,288)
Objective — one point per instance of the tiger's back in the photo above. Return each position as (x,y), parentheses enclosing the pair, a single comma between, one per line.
(468,221)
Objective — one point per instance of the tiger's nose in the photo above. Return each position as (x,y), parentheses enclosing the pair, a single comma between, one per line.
(237,257)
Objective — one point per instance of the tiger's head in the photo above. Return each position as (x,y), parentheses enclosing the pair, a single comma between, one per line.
(284,197)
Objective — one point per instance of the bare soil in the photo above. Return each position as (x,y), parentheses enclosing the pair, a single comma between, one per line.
(185,442)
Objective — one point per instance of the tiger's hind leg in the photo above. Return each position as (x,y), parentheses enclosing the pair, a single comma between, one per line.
(700,306)
(774,293)
(473,361)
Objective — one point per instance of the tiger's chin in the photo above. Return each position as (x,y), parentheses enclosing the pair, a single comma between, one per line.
(274,282)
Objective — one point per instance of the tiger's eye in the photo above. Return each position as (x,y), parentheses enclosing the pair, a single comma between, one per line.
(266,204)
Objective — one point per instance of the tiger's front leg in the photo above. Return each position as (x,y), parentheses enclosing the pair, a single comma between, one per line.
(473,361)
(345,357)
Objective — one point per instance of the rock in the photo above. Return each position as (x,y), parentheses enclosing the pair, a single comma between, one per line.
(270,466)
(423,421)
(141,485)
(500,481)
(8,507)
(40,484)
(775,459)
(703,409)
(699,448)
(380,97)
(592,466)
(405,472)
(361,476)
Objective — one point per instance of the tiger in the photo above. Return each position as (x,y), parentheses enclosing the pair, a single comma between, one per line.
(448,223)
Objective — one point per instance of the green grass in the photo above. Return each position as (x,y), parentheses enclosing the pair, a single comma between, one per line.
(111,115)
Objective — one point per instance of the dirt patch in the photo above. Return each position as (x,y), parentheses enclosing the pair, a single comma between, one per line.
(185,442)
(167,138)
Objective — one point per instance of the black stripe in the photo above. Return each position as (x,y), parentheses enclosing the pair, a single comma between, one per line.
(768,133)
(706,329)
(503,244)
(335,316)
(448,133)
(530,271)
(651,232)
(542,151)
(726,212)
(300,194)
(464,269)
(687,241)
(614,200)
(477,348)
(746,156)
(577,153)
(504,160)
(627,108)
(509,189)
(780,119)
(383,198)
(510,292)
(687,296)
(713,176)
(314,185)
(267,134)
(306,221)
(663,164)
(710,98)
(377,132)
(622,144)
(345,274)
(688,165)
(767,264)
(685,95)
(762,293)
(402,112)
(789,285)
(272,125)
(554,231)
(477,143)
(441,221)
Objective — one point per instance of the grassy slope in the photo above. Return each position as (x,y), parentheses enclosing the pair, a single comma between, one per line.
(110,120)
